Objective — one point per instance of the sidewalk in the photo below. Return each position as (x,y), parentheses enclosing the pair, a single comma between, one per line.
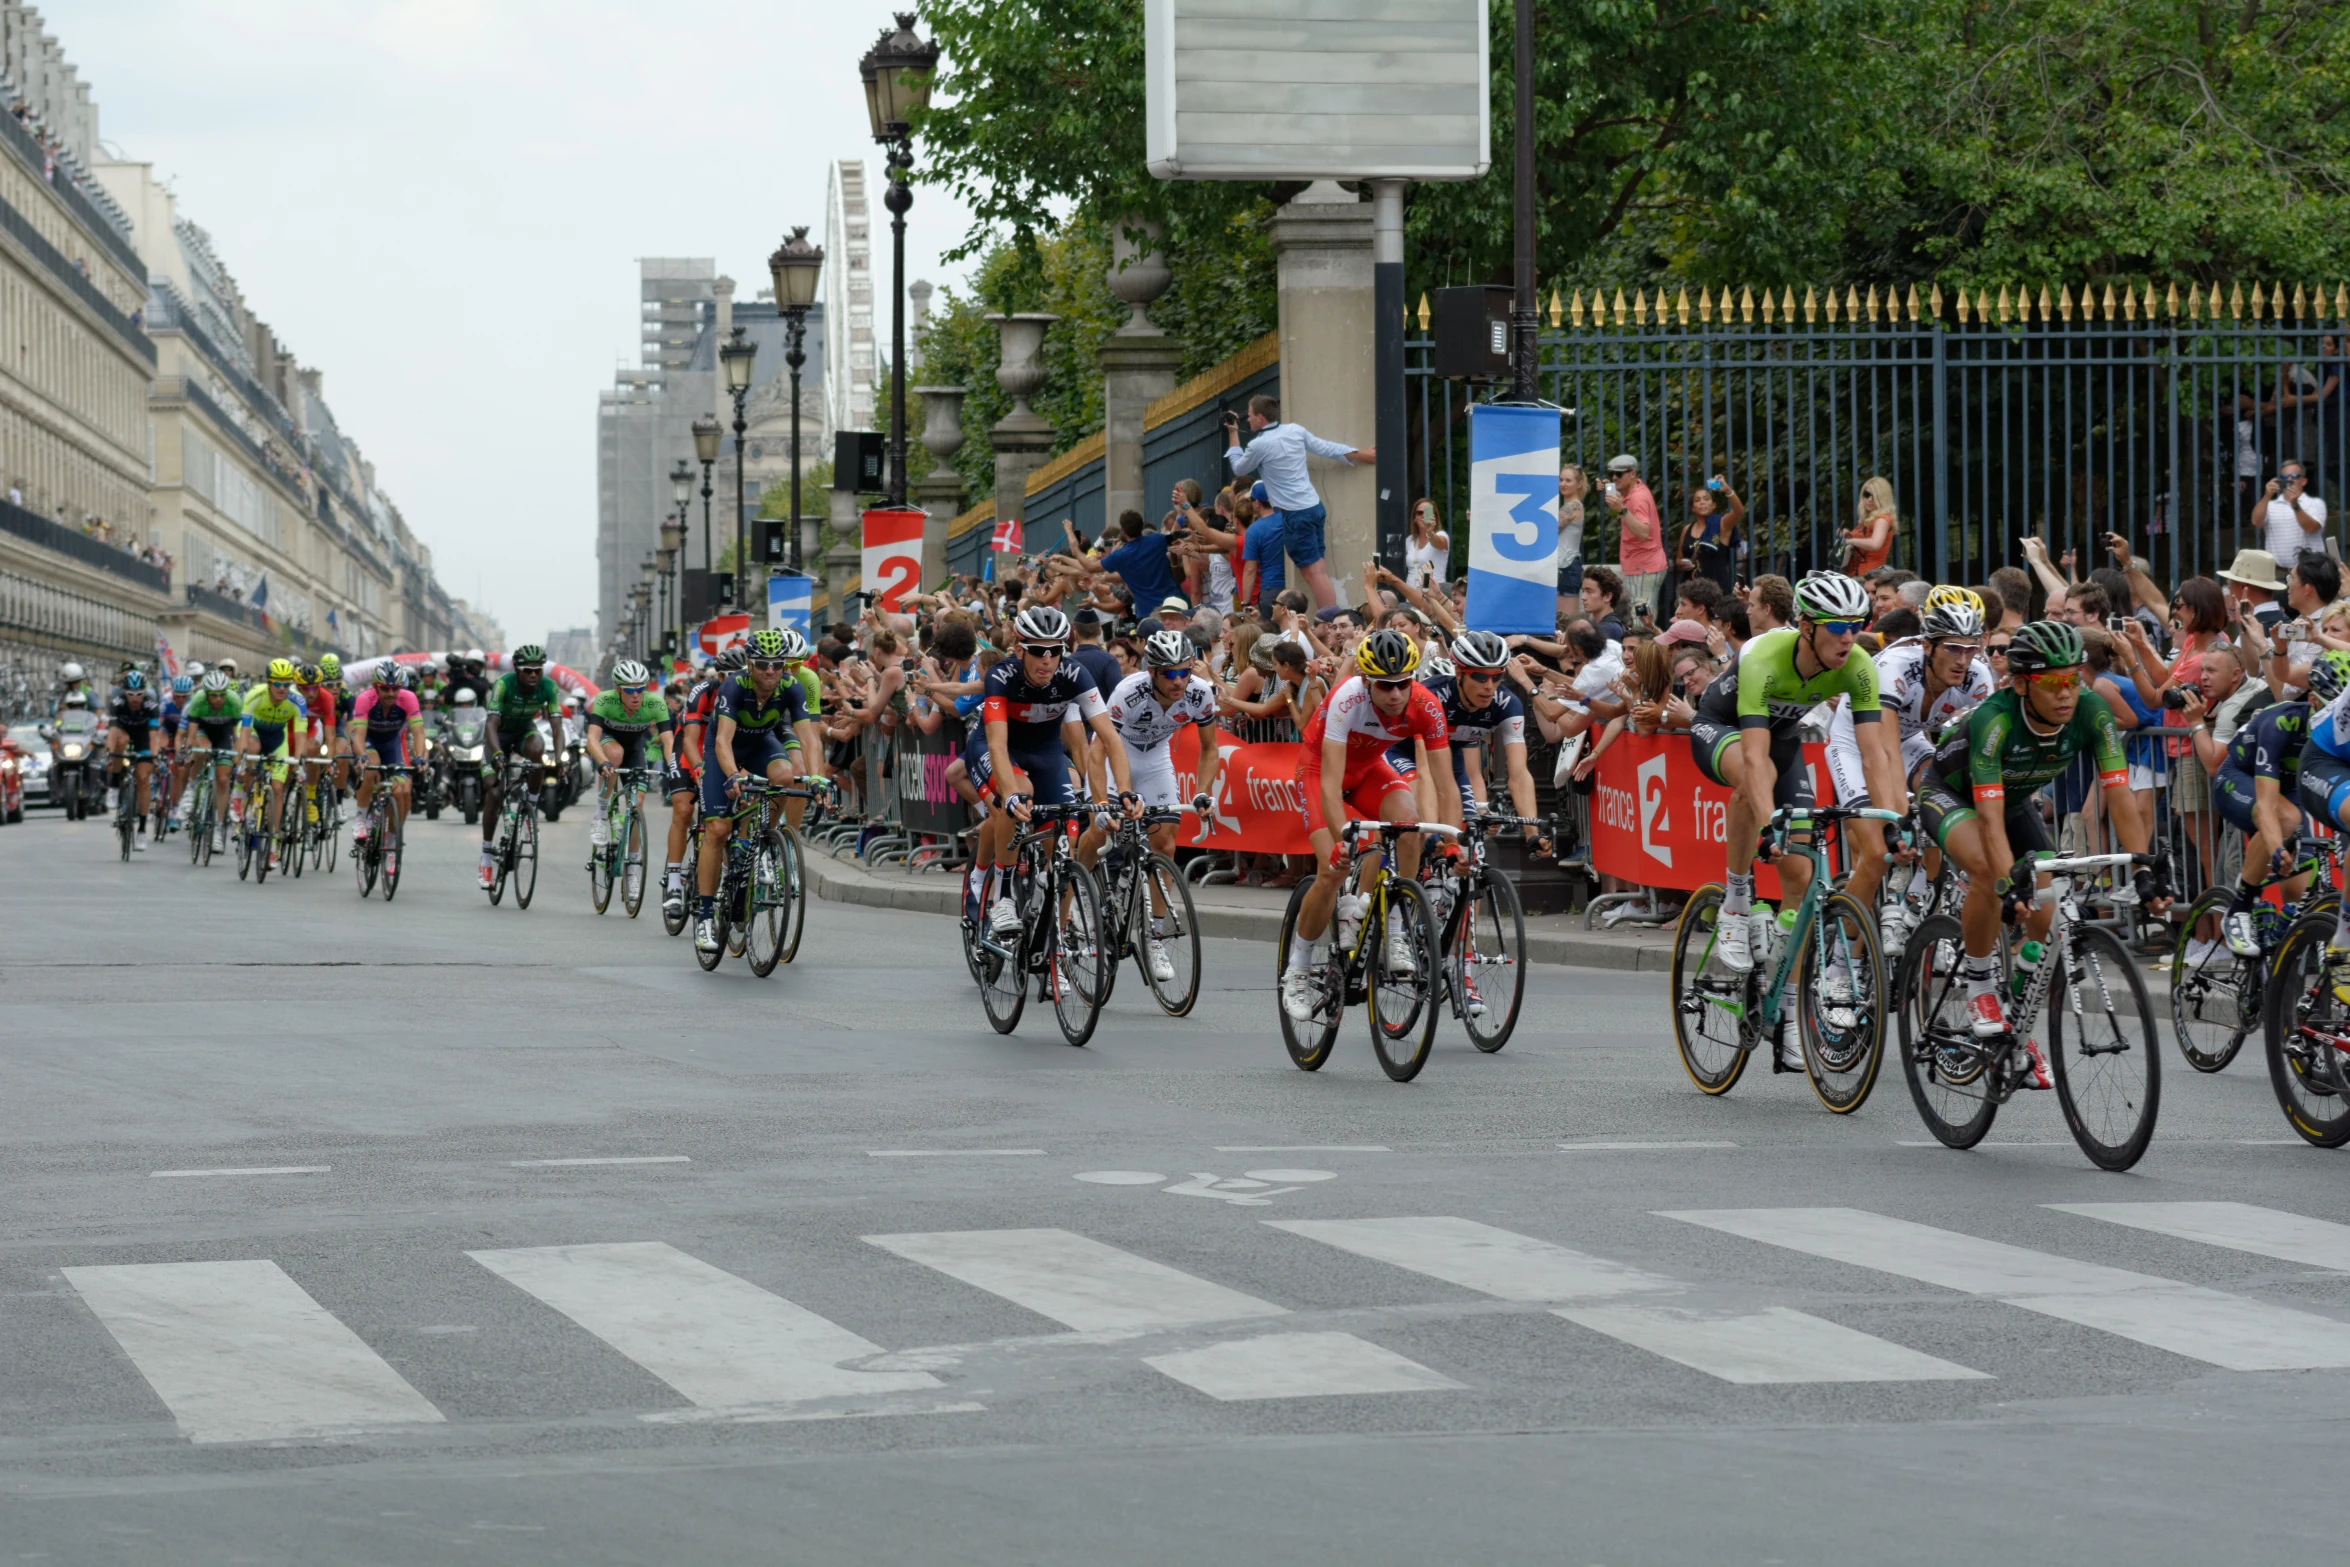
(1247,913)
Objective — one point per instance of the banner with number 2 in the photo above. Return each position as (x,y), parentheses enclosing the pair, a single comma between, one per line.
(893,555)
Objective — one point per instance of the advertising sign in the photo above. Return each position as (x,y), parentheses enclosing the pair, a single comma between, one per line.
(1656,821)
(1513,519)
(790,602)
(721,632)
(893,555)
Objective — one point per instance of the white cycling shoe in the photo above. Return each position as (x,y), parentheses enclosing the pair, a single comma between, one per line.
(705,935)
(1003,921)
(1734,944)
(1401,959)
(1299,995)
(600,831)
(1162,966)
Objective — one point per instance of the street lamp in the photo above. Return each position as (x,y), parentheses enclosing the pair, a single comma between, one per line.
(681,489)
(708,432)
(796,265)
(897,83)
(735,358)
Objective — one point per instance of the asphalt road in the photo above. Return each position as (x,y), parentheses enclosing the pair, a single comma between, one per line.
(571,1253)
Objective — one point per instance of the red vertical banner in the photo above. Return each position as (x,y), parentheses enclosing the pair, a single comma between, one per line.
(1656,821)
(892,562)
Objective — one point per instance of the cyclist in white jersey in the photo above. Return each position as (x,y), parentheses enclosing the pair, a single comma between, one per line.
(1147,709)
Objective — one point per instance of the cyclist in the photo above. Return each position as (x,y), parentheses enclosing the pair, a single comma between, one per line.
(618,722)
(390,723)
(273,725)
(1146,710)
(2256,787)
(320,706)
(754,723)
(683,778)
(1344,762)
(1747,737)
(330,681)
(2324,794)
(516,702)
(2020,737)
(796,653)
(175,703)
(1028,700)
(209,726)
(131,722)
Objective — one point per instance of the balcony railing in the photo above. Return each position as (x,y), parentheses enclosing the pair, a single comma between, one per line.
(57,537)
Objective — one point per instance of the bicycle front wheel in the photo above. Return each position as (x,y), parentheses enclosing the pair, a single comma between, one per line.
(2109,1071)
(1309,1040)
(2214,999)
(1950,1074)
(795,890)
(1842,1005)
(600,876)
(1076,958)
(1003,976)
(2307,1029)
(1403,994)
(1487,964)
(526,859)
(632,862)
(1176,935)
(1713,1007)
(363,859)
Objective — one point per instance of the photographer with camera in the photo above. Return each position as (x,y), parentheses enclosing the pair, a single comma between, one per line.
(2290,519)
(1279,451)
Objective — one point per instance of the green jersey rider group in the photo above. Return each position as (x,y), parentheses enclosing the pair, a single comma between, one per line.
(1977,800)
(515,702)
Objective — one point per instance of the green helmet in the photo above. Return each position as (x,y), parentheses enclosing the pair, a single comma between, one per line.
(767,644)
(2327,677)
(2045,644)
(530,653)
(330,666)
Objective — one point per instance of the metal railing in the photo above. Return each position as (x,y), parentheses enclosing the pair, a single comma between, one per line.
(44,609)
(56,536)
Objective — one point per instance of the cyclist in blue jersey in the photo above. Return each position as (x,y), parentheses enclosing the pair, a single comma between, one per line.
(2256,787)
(2324,792)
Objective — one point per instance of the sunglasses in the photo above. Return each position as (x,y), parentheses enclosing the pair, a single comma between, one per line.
(768,664)
(1479,674)
(1996,649)
(1842,628)
(632,690)
(1393,685)
(2055,679)
(1963,649)
(1036,650)
(1173,672)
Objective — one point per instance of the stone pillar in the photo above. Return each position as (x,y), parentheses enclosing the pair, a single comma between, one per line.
(940,496)
(1138,366)
(1322,239)
(1022,438)
(847,555)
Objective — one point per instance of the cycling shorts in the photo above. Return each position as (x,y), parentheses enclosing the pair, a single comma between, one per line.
(1047,768)
(2324,790)
(1939,811)
(2232,794)
(391,749)
(1365,788)
(1709,740)
(220,734)
(1153,772)
(632,747)
(753,750)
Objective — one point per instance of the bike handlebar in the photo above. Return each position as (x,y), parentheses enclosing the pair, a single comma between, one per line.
(1388,831)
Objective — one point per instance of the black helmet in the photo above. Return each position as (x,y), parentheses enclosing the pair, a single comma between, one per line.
(2045,644)
(1386,655)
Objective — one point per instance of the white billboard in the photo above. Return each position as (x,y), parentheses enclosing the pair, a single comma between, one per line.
(1317,89)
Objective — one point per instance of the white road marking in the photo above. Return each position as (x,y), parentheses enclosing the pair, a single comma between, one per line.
(1296,1176)
(2229,1331)
(240,1353)
(1772,1345)
(1637,1147)
(953,1153)
(1303,1148)
(721,1341)
(258,1169)
(2238,1226)
(1083,1284)
(1120,1177)
(647,1158)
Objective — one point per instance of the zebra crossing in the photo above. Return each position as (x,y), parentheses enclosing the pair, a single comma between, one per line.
(238,1351)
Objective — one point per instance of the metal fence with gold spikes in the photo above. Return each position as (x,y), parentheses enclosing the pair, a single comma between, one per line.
(2156,413)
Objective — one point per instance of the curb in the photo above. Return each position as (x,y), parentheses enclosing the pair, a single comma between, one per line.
(837,884)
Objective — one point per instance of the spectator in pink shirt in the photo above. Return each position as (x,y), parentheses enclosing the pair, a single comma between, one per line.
(1641,551)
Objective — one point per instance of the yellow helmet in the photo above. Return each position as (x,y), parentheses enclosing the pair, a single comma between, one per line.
(1386,655)
(1946,593)
(281,671)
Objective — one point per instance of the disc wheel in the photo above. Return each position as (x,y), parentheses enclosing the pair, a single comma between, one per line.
(1486,965)
(1076,964)
(2214,1003)
(1713,1007)
(1178,936)
(1403,999)
(1841,1003)
(632,862)
(526,859)
(768,907)
(1950,1074)
(2107,1064)
(1309,1041)
(2306,1028)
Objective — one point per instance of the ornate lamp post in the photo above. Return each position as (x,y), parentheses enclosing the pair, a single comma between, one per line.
(897,83)
(796,265)
(735,358)
(681,488)
(708,432)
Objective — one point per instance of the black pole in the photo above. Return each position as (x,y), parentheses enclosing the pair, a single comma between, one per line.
(899,198)
(741,545)
(1387,328)
(709,561)
(1522,323)
(794,357)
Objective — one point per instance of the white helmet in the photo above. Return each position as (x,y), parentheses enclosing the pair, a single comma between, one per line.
(195,669)
(1167,649)
(1831,595)
(1041,623)
(464,696)
(69,672)
(628,672)
(216,682)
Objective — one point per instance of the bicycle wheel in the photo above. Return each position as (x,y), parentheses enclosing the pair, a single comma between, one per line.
(675,923)
(1076,960)
(2110,1078)
(1950,1074)
(1003,980)
(198,830)
(526,858)
(599,869)
(123,829)
(391,850)
(1842,1010)
(1178,935)
(2307,1031)
(721,920)
(1713,1008)
(2214,1001)
(244,832)
(1487,963)
(632,861)
(364,864)
(264,849)
(1403,1001)
(767,907)
(1309,1042)
(795,887)
(501,863)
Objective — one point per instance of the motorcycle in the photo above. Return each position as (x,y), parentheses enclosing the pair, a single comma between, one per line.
(77,775)
(459,754)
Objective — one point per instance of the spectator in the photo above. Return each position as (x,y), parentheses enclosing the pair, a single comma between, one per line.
(1885,587)
(1262,571)
(1280,451)
(1211,549)
(1913,593)
(2252,589)
(1699,596)
(1602,598)
(1735,624)
(1771,603)
(1709,542)
(1868,546)
(1640,550)
(2290,518)
(2015,596)
(1086,647)
(1428,549)
(1572,488)
(1897,623)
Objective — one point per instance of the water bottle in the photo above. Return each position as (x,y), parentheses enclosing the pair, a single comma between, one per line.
(2027,962)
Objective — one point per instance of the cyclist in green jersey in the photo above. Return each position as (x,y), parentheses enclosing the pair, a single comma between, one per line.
(619,721)
(2021,737)
(796,653)
(516,702)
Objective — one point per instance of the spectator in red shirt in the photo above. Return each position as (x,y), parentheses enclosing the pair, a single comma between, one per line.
(1641,552)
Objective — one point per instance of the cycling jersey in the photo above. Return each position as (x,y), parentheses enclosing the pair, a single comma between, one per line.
(135,720)
(607,714)
(515,708)
(2329,730)
(1763,690)
(1501,721)
(772,714)
(318,702)
(171,716)
(1369,733)
(811,690)
(387,722)
(269,717)
(2270,743)
(1032,714)
(214,712)
(1996,747)
(1144,724)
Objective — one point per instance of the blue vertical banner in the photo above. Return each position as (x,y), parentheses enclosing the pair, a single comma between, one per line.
(1513,518)
(790,602)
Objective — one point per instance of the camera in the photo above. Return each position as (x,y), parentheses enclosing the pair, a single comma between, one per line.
(2175,700)
(2117,624)
(1714,485)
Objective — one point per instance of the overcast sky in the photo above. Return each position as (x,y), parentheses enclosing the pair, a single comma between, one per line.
(440,203)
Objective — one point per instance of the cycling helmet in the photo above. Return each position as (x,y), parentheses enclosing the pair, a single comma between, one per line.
(181,685)
(1436,666)
(281,671)
(767,643)
(76,699)
(228,667)
(628,672)
(2045,644)
(2327,677)
(530,653)
(1831,595)
(69,672)
(1480,650)
(732,660)
(1168,649)
(387,673)
(195,669)
(476,657)
(1952,618)
(1386,655)
(132,680)
(464,697)
(330,666)
(1041,624)
(795,646)
(1950,593)
(309,674)
(217,681)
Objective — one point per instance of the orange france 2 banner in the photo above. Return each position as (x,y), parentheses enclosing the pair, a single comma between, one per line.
(892,562)
(1257,802)
(1656,821)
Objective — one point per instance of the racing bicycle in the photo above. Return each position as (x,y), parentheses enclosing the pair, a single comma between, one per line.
(1060,936)
(2216,994)
(514,848)
(755,908)
(1354,965)
(387,834)
(1481,930)
(1143,893)
(621,857)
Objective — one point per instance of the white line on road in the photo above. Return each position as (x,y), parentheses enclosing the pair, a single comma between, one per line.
(1748,1347)
(1303,1148)
(720,1340)
(240,1353)
(2229,1331)
(1298,1365)
(644,1158)
(1637,1147)
(2238,1226)
(953,1153)
(258,1169)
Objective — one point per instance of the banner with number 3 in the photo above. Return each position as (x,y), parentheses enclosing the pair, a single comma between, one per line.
(1513,519)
